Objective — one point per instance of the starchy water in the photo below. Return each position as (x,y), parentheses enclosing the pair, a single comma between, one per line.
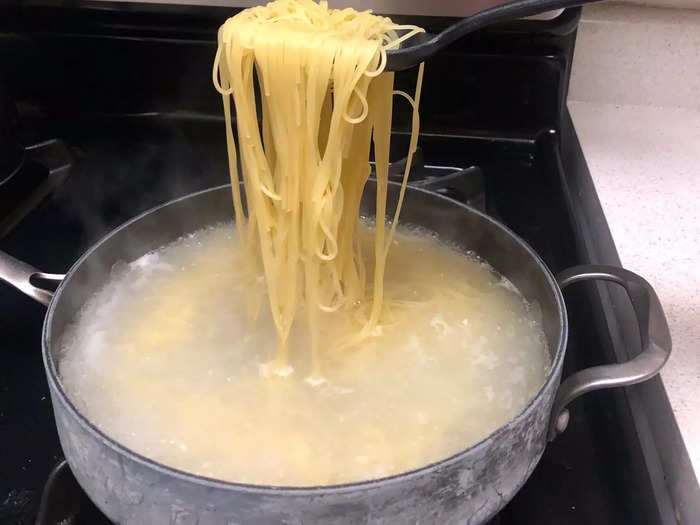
(165,360)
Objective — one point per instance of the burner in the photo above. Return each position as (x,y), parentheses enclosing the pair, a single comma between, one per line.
(11,151)
(27,174)
(11,159)
(63,502)
(465,185)
(40,170)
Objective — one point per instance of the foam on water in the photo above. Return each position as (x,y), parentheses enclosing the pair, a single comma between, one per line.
(164,360)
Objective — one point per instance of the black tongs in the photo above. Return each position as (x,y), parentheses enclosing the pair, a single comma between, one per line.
(485,12)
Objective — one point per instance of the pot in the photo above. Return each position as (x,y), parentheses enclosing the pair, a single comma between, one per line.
(468,487)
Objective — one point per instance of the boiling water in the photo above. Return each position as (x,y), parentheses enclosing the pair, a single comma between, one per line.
(164,360)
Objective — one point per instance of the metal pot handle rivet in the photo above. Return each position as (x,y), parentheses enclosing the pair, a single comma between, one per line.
(653,331)
(20,274)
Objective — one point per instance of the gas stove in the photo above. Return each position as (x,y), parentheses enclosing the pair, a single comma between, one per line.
(107,141)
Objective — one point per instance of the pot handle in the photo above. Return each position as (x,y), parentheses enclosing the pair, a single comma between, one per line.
(654,335)
(20,274)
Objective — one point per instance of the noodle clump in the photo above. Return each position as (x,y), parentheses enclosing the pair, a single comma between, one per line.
(316,76)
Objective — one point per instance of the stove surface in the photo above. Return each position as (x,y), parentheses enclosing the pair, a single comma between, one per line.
(113,138)
(127,165)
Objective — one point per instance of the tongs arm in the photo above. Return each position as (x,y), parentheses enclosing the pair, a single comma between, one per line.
(424,45)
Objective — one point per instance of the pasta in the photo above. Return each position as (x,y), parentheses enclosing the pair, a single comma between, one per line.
(316,76)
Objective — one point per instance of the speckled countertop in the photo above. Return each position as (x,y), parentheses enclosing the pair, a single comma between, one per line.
(645,163)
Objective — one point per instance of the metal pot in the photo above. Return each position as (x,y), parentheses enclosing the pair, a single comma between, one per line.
(469,487)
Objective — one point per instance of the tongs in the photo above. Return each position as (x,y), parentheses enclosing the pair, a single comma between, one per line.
(486,12)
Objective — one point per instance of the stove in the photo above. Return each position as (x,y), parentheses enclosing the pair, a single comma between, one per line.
(107,140)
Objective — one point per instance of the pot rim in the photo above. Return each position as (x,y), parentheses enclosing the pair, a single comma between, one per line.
(56,386)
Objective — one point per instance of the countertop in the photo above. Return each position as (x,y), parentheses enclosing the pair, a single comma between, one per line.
(645,163)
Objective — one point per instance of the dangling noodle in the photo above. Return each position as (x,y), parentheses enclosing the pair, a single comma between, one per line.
(324,96)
